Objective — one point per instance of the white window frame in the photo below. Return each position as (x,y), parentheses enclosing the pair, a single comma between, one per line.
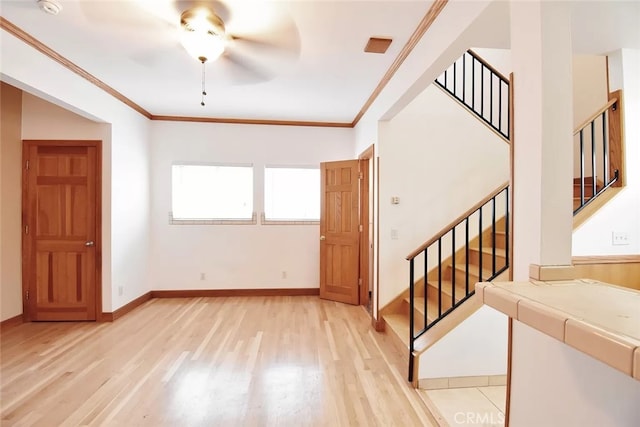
(288,220)
(215,220)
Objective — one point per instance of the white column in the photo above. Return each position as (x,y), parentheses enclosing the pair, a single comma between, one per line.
(543,155)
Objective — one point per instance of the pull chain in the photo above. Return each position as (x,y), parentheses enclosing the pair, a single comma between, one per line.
(204,92)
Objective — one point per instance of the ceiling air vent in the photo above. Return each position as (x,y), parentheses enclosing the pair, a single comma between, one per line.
(377,45)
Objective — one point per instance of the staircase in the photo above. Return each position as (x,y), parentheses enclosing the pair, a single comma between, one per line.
(441,288)
(599,153)
(440,297)
(474,248)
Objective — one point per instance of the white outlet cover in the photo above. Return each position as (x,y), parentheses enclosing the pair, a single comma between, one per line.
(619,238)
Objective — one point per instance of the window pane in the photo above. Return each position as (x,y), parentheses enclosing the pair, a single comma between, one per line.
(212,192)
(292,194)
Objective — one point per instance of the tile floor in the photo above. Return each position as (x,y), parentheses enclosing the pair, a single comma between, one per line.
(472,406)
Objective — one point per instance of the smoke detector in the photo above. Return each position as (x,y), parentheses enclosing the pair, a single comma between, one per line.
(52,7)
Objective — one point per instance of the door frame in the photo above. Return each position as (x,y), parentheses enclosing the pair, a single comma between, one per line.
(27,240)
(365,160)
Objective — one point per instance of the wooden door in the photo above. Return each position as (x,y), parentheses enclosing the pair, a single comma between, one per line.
(61,208)
(339,232)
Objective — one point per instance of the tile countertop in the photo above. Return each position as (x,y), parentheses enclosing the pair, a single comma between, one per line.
(596,318)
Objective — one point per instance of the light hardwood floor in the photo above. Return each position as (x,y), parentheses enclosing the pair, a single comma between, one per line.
(287,361)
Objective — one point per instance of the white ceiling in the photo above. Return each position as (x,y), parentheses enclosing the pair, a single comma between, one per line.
(322,74)
(123,44)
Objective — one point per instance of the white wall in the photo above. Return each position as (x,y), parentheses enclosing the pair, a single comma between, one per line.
(622,214)
(589,95)
(236,256)
(130,208)
(439,161)
(125,208)
(477,351)
(500,59)
(10,203)
(43,120)
(589,86)
(553,384)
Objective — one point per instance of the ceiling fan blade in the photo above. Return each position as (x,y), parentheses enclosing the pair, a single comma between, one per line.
(245,71)
(270,43)
(259,26)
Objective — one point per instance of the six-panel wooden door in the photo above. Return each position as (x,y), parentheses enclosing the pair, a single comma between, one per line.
(339,231)
(61,236)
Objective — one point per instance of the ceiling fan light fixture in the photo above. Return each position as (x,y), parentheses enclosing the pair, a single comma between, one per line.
(203,35)
(52,7)
(203,47)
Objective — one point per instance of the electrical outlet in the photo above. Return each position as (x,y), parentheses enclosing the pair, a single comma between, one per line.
(394,234)
(203,276)
(120,290)
(620,238)
(284,274)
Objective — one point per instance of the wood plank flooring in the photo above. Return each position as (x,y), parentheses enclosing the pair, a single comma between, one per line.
(255,361)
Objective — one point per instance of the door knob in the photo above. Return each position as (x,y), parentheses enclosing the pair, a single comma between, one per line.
(322,237)
(90,243)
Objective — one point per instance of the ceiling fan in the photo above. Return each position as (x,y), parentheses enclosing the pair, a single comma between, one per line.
(248,35)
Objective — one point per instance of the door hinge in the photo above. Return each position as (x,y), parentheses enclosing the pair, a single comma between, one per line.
(360,228)
(27,295)
(360,175)
(26,229)
(360,281)
(27,165)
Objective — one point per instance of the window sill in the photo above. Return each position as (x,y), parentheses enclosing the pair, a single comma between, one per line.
(265,221)
(175,221)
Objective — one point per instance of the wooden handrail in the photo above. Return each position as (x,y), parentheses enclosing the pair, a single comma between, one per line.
(595,116)
(457,221)
(486,64)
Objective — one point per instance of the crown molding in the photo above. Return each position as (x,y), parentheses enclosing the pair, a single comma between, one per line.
(46,50)
(422,28)
(252,121)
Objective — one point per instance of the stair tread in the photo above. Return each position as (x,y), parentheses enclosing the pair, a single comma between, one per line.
(586,184)
(432,307)
(474,270)
(446,287)
(399,323)
(587,179)
(489,250)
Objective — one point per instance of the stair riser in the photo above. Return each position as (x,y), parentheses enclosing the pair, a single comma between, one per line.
(501,241)
(418,319)
(473,279)
(588,191)
(446,299)
(487,259)
(446,295)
